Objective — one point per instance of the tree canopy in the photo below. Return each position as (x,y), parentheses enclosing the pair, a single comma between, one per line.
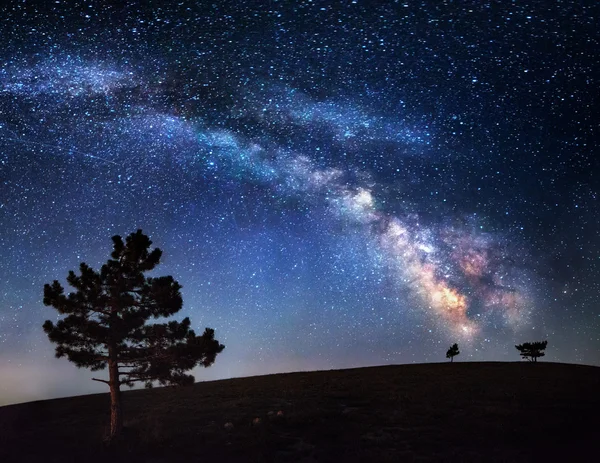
(452,352)
(532,350)
(105,323)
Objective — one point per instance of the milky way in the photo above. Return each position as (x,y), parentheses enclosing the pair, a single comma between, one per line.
(334,185)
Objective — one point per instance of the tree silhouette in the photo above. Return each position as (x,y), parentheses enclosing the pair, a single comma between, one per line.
(532,350)
(452,352)
(105,324)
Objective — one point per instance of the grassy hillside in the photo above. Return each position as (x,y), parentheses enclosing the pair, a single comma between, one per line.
(430,412)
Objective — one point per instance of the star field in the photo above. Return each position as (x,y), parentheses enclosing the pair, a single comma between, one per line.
(334,184)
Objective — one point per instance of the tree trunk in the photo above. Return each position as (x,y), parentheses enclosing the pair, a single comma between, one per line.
(116,413)
(451,359)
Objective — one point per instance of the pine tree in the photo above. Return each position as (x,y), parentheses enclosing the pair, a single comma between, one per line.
(452,352)
(106,324)
(532,350)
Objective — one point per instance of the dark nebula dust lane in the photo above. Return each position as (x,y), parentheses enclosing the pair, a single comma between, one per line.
(334,184)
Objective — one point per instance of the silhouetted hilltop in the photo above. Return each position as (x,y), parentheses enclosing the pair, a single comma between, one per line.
(427,412)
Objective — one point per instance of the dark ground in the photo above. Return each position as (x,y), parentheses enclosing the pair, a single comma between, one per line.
(508,412)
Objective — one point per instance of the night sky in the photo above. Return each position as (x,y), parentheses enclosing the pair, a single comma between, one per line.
(334,184)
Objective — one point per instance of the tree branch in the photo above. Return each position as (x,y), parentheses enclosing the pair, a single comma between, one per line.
(101,381)
(123,373)
(98,310)
(138,360)
(137,378)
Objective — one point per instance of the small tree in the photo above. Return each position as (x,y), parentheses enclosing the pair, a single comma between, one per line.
(532,350)
(452,352)
(105,324)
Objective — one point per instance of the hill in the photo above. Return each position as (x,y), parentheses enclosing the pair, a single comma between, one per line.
(427,412)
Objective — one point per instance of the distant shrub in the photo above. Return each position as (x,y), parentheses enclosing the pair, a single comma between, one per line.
(452,352)
(532,350)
